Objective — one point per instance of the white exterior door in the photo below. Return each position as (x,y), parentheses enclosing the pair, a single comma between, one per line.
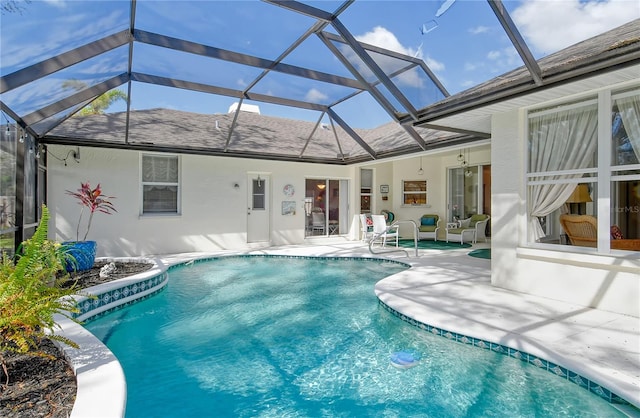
(258,214)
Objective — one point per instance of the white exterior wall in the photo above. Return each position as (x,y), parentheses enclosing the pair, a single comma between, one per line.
(435,168)
(213,212)
(434,173)
(597,281)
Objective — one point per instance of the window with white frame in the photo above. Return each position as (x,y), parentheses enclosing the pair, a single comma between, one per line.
(160,175)
(414,192)
(580,155)
(625,170)
(366,190)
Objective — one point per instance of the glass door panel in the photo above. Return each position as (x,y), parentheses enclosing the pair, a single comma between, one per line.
(456,195)
(469,192)
(326,207)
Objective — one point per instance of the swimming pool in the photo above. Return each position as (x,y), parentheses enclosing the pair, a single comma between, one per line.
(287,336)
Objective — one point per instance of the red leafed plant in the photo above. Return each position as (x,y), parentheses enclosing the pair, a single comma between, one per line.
(94,200)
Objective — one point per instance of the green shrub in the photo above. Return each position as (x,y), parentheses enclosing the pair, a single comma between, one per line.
(31,293)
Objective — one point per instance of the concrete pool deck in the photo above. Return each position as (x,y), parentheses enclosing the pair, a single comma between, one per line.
(452,291)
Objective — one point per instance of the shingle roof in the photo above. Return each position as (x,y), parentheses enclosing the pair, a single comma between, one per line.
(253,135)
(260,136)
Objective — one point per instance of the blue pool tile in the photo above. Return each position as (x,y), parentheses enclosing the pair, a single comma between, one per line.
(559,371)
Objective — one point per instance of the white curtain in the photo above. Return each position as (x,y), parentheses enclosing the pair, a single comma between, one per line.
(629,108)
(562,140)
(159,169)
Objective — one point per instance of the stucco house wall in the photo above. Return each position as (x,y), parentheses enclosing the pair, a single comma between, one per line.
(610,283)
(435,169)
(213,212)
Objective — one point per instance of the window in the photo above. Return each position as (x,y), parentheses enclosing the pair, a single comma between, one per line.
(160,184)
(562,146)
(366,188)
(625,169)
(414,192)
(573,167)
(258,194)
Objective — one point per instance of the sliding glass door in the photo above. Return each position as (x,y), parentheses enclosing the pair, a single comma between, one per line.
(326,207)
(469,192)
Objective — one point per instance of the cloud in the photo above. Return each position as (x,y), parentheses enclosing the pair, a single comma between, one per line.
(472,66)
(315,96)
(61,4)
(549,26)
(478,30)
(383,38)
(386,39)
(494,55)
(436,66)
(504,59)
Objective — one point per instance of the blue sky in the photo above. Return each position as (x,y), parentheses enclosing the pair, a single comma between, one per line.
(468,45)
(461,41)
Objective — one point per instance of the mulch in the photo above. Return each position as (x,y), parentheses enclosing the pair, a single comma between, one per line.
(46,387)
(38,387)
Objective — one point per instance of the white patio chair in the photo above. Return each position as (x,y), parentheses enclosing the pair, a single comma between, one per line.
(429,227)
(382,232)
(365,228)
(469,229)
(317,222)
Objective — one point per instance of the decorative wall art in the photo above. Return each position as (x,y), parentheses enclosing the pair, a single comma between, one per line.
(288,190)
(288,208)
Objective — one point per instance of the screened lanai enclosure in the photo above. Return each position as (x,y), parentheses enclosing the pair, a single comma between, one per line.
(324,82)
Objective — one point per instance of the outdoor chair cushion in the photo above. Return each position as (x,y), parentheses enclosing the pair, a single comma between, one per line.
(475,219)
(389,217)
(428,221)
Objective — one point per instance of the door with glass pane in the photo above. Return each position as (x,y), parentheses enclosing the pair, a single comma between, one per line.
(258,214)
(456,195)
(326,207)
(469,191)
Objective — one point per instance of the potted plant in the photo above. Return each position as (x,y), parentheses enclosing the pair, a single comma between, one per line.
(83,251)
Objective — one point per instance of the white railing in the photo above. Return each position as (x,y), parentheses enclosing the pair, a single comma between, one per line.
(395,225)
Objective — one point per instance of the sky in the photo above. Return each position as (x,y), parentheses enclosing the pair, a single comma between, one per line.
(468,46)
(462,42)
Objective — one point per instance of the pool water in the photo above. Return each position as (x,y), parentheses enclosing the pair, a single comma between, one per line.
(303,337)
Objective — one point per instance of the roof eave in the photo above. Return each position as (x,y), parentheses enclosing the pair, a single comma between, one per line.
(613,60)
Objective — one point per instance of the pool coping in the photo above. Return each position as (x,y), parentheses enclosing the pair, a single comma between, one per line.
(554,367)
(98,371)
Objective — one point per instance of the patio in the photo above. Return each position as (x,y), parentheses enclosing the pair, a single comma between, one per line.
(353,110)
